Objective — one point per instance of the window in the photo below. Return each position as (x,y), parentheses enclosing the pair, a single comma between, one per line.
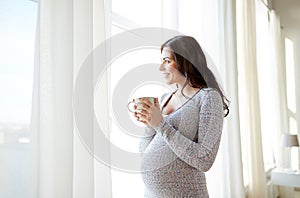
(291,97)
(18,26)
(290,76)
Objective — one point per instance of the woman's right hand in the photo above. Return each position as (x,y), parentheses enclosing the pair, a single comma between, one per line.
(149,113)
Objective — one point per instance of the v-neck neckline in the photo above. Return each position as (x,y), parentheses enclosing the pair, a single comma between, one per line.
(168,100)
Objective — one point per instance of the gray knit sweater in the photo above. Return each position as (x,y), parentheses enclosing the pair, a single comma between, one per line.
(184,146)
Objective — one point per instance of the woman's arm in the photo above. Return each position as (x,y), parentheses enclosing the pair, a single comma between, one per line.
(200,155)
(148,136)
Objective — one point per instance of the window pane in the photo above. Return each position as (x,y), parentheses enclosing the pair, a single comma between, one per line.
(290,75)
(17,38)
(18,21)
(293,126)
(143,13)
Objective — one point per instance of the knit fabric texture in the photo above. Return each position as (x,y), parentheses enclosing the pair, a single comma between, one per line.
(184,146)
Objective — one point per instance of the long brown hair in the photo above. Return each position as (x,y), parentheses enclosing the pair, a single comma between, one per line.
(191,62)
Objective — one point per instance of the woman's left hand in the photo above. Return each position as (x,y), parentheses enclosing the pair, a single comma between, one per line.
(148,113)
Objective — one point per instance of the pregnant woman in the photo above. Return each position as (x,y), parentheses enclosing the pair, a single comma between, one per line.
(183,131)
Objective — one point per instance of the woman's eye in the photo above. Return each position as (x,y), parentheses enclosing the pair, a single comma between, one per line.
(166,61)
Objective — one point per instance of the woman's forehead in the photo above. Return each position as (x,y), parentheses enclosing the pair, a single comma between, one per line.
(166,52)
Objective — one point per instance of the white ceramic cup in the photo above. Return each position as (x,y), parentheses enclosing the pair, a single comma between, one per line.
(136,101)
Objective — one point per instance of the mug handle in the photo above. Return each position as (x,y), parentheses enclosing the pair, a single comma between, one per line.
(129,107)
(156,101)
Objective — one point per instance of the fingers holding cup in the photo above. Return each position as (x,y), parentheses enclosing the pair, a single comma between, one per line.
(142,108)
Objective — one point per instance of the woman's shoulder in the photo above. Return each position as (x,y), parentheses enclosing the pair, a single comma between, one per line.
(209,90)
(208,94)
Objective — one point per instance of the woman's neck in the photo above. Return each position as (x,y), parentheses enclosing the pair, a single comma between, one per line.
(187,90)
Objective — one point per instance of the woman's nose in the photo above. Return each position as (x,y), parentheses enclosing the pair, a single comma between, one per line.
(161,67)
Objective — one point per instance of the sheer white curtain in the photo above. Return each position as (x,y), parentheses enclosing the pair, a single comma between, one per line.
(277,64)
(249,97)
(68,31)
(233,185)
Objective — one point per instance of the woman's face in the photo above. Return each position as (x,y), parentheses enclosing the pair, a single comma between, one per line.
(168,68)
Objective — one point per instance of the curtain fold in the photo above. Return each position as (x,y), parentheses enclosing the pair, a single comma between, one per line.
(249,97)
(232,169)
(101,26)
(68,32)
(277,64)
(55,133)
(83,168)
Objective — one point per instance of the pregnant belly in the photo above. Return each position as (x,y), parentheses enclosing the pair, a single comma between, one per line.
(164,173)
(175,180)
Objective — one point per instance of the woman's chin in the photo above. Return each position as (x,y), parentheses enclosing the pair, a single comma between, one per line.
(169,83)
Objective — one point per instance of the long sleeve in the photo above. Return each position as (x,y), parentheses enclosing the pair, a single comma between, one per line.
(200,155)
